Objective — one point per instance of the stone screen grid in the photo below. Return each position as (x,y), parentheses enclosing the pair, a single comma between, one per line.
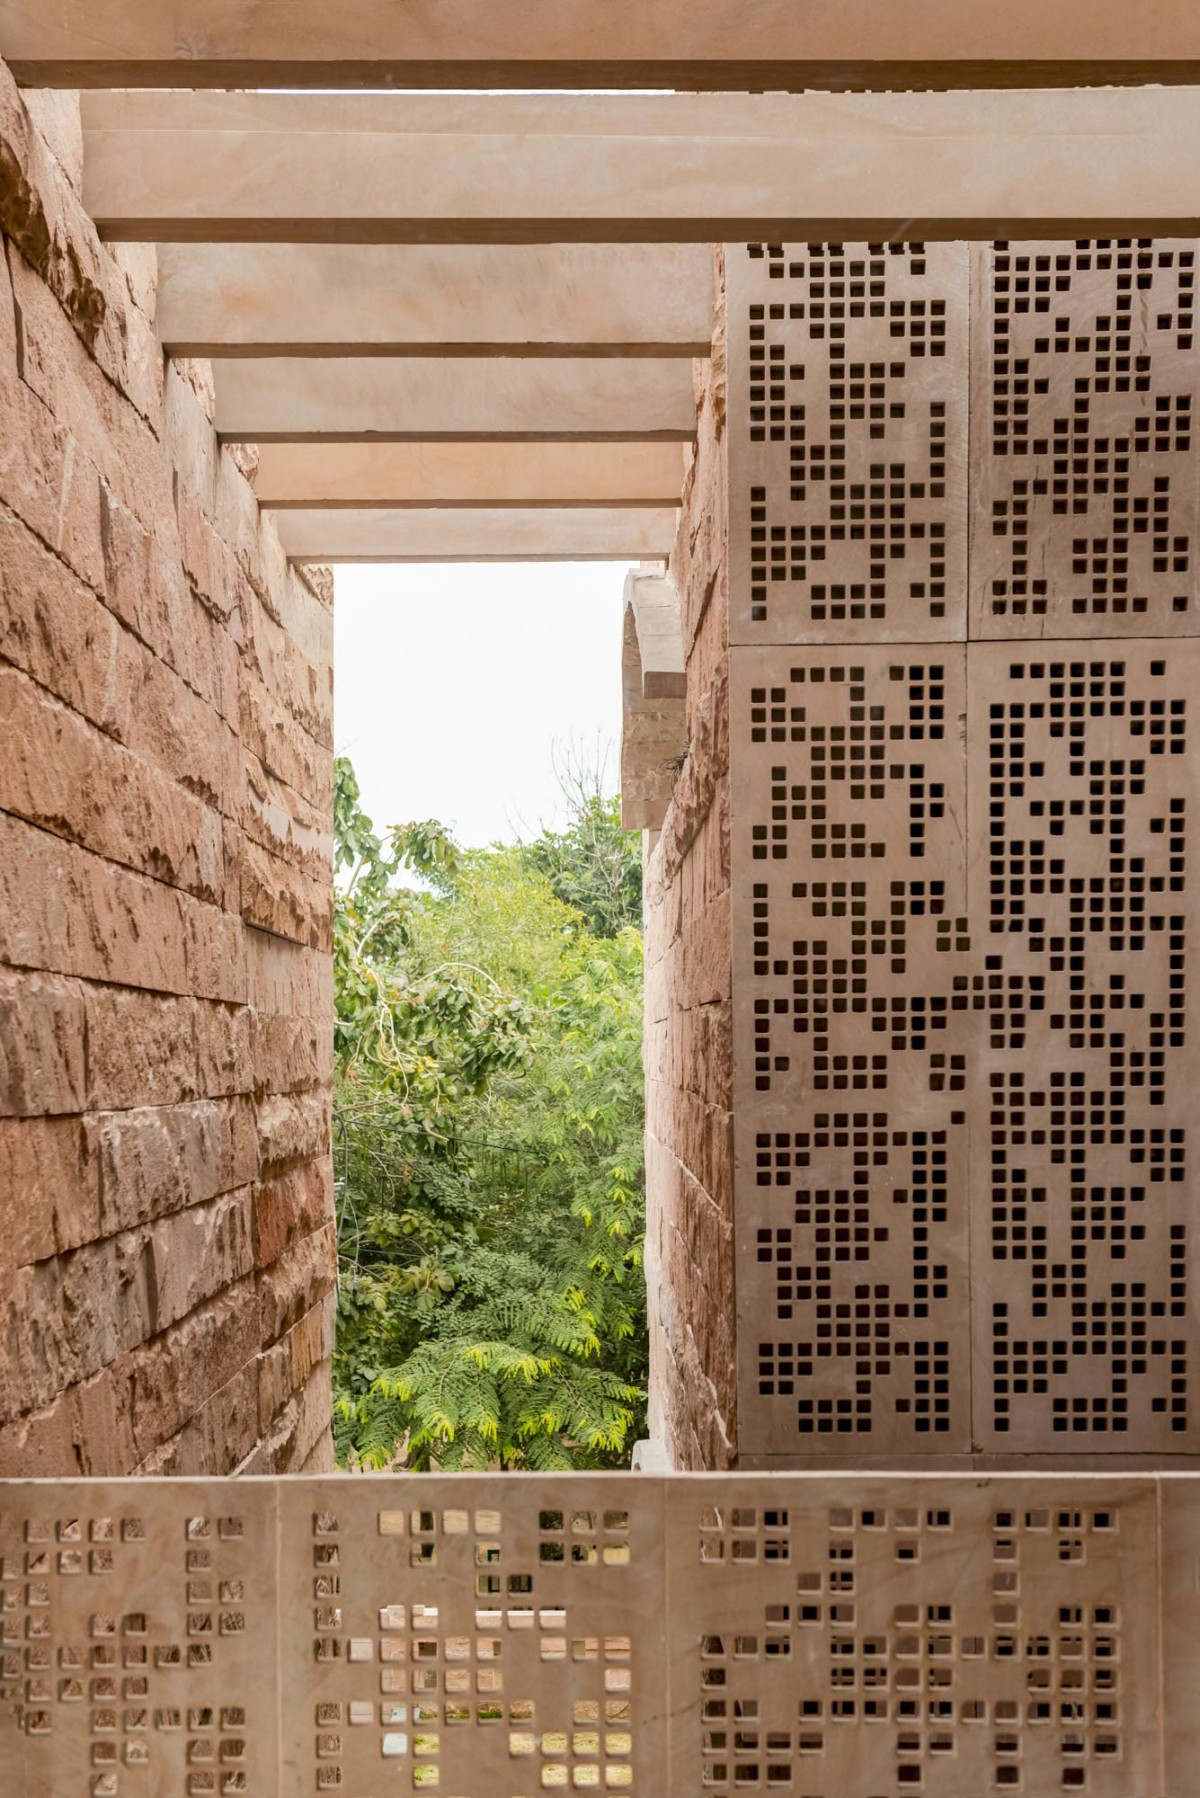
(963,1056)
(852,1636)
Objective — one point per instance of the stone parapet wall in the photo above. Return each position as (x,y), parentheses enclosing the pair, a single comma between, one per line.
(689,1163)
(166,1236)
(815,1634)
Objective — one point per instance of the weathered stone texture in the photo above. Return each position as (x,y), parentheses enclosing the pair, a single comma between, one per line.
(166,1251)
(688,1045)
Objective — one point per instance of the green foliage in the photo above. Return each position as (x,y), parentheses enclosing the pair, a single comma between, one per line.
(488,1141)
(594,866)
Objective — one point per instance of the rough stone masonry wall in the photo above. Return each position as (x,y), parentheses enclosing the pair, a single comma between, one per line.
(166,1244)
(688,1046)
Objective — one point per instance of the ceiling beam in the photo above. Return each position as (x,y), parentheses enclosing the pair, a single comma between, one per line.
(462,475)
(690,44)
(416,397)
(591,535)
(435,300)
(681,168)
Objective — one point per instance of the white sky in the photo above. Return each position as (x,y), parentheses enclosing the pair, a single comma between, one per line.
(454,683)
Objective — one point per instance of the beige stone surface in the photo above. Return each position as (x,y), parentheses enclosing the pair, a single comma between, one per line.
(627,300)
(1083,447)
(1083,763)
(654,686)
(619,1632)
(707,44)
(421,398)
(478,534)
(848,365)
(849,809)
(680,167)
(961,1052)
(395,475)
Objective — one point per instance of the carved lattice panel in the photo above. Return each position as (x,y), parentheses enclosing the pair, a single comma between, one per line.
(866,1638)
(853,997)
(481,1638)
(847,441)
(134,1631)
(1083,763)
(476,1636)
(1083,450)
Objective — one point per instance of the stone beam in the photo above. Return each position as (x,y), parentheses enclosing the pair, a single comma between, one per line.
(435,300)
(406,475)
(654,737)
(690,44)
(449,534)
(604,168)
(418,397)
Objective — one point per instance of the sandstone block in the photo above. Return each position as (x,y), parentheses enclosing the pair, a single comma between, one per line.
(188,436)
(147,589)
(289,1364)
(290,1207)
(66,1318)
(285,824)
(42,1067)
(216,1438)
(40,209)
(141,1049)
(195,1254)
(42,1445)
(280,898)
(8,320)
(54,628)
(297,1432)
(125,348)
(48,481)
(164,1383)
(71,779)
(138,263)
(43,216)
(214,953)
(49,1187)
(286,980)
(158,1160)
(207,561)
(82,1433)
(113,430)
(292,1127)
(321,1455)
(184,735)
(289,1053)
(66,910)
(282,746)
(223,1049)
(301,683)
(297,1282)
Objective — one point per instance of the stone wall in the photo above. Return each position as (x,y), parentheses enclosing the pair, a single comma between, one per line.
(688,1047)
(166,1237)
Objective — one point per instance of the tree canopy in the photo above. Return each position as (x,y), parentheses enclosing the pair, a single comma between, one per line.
(488,1143)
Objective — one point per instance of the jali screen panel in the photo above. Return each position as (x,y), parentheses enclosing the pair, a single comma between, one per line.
(483,1637)
(962,897)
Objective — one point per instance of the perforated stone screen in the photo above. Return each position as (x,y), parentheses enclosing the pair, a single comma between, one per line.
(848,441)
(964,1052)
(500,1637)
(1083,454)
